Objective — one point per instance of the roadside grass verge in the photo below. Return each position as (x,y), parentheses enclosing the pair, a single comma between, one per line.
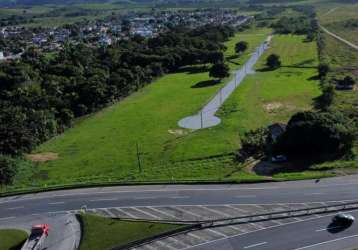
(100,233)
(12,239)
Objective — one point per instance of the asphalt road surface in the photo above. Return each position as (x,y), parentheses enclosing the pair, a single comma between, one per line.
(300,234)
(317,234)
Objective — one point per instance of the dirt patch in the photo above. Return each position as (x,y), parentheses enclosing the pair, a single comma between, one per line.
(42,157)
(178,132)
(271,107)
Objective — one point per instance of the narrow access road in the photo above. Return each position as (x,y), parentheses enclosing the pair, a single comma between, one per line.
(352,45)
(206,118)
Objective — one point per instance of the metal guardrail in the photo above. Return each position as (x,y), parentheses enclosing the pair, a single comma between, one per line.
(280,214)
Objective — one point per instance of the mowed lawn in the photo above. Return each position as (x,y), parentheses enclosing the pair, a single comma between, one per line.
(102,147)
(262,98)
(100,233)
(12,239)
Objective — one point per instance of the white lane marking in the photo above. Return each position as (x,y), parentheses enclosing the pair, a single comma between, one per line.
(217,233)
(14,208)
(107,212)
(186,211)
(145,191)
(104,199)
(255,245)
(256,225)
(327,228)
(146,213)
(145,198)
(126,213)
(165,245)
(237,209)
(178,242)
(313,194)
(179,197)
(216,212)
(56,203)
(162,212)
(246,196)
(35,214)
(7,218)
(325,242)
(196,236)
(240,234)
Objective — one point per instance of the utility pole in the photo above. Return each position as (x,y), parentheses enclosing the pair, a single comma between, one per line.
(138,158)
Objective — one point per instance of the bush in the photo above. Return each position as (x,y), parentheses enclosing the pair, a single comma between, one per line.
(273,61)
(254,143)
(8,169)
(316,134)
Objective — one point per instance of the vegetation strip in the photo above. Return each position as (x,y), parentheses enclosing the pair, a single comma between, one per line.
(100,233)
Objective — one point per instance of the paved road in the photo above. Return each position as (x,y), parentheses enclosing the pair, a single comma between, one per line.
(333,189)
(206,118)
(64,234)
(205,199)
(352,45)
(317,234)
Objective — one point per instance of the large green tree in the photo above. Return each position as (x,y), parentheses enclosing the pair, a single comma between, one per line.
(315,134)
(219,70)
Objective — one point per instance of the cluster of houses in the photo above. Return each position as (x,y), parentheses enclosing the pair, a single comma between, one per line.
(107,31)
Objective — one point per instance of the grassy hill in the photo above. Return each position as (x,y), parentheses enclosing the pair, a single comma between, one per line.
(102,147)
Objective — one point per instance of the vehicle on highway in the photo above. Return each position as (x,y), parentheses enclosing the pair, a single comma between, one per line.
(343,219)
(38,234)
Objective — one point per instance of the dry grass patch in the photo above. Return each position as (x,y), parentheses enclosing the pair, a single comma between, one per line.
(42,157)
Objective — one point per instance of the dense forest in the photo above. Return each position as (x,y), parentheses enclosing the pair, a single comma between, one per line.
(40,96)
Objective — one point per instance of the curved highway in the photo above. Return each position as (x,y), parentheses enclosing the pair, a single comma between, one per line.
(290,236)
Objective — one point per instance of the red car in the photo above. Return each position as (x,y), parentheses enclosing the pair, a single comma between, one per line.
(37,231)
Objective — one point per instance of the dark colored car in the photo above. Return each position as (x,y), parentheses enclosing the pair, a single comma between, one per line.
(343,219)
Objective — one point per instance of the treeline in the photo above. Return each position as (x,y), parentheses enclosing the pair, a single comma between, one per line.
(40,97)
(304,23)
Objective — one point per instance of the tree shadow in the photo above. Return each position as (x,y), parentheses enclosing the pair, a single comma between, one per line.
(204,84)
(193,69)
(313,78)
(266,69)
(232,57)
(231,61)
(335,227)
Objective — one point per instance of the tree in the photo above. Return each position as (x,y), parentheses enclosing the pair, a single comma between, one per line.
(273,61)
(323,69)
(316,134)
(254,143)
(219,70)
(8,169)
(241,47)
(348,81)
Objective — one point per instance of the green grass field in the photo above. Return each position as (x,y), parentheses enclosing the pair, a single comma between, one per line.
(102,147)
(99,233)
(12,239)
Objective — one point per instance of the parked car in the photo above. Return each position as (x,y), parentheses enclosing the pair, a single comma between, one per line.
(343,219)
(279,159)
